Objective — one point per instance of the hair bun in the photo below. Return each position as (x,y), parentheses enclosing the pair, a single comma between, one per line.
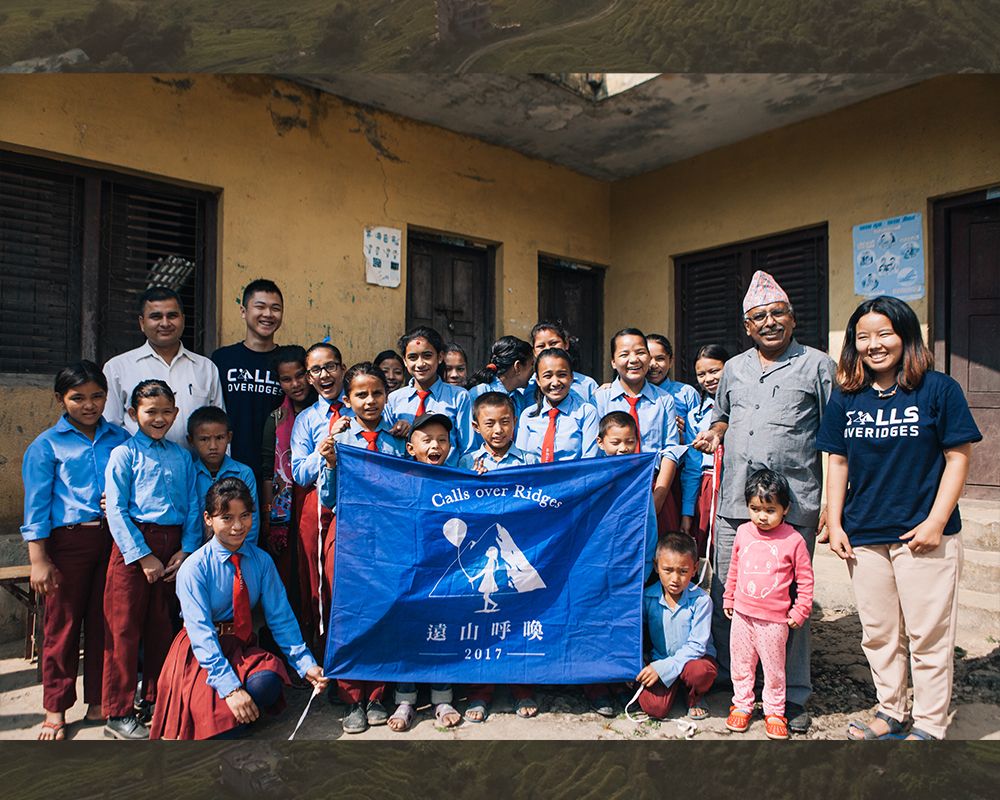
(492,366)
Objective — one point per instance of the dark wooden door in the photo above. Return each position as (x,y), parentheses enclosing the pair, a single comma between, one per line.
(450,288)
(573,294)
(973,330)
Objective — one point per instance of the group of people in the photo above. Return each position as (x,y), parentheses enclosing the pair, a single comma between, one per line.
(177,493)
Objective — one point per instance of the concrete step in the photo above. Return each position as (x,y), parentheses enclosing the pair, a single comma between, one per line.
(980,524)
(980,611)
(981,571)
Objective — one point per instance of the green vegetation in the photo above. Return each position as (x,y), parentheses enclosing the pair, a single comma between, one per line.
(641,35)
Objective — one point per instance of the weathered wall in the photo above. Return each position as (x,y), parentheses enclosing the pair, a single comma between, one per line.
(883,157)
(300,174)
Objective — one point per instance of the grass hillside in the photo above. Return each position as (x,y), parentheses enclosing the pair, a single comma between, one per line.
(638,35)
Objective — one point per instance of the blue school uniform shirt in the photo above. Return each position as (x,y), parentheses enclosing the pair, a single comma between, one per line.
(205,592)
(576,429)
(311,427)
(514,457)
(63,474)
(352,437)
(151,480)
(229,468)
(677,635)
(685,398)
(583,386)
(444,398)
(895,454)
(655,409)
(699,418)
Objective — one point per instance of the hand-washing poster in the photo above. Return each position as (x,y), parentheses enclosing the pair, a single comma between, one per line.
(889,258)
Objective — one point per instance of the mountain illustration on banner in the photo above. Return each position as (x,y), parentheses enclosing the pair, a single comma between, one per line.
(489,565)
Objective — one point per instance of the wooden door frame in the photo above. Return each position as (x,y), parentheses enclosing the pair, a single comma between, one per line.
(456,240)
(554,262)
(939,323)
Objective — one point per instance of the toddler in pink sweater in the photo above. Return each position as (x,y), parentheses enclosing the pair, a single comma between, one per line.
(769,555)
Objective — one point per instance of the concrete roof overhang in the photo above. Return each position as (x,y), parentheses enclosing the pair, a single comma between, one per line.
(658,121)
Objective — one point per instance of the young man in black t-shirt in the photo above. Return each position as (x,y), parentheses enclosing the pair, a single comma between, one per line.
(251,390)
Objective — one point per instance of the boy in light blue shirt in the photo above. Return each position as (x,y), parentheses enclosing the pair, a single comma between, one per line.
(209,435)
(678,617)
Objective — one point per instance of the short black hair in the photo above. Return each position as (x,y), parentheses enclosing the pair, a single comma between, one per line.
(385,355)
(493,399)
(152,388)
(676,542)
(207,415)
(769,486)
(77,374)
(362,369)
(288,354)
(223,492)
(616,419)
(261,285)
(157,294)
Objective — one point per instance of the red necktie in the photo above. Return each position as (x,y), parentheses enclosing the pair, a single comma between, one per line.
(422,394)
(635,415)
(335,407)
(242,626)
(549,440)
(370,437)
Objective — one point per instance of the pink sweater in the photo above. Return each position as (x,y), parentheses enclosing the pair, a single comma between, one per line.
(763,566)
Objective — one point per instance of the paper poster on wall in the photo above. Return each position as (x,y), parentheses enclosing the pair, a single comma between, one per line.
(382,256)
(889,257)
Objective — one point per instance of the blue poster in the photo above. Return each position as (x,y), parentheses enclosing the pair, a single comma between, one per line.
(524,575)
(889,258)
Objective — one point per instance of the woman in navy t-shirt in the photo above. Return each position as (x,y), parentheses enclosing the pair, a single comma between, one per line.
(899,436)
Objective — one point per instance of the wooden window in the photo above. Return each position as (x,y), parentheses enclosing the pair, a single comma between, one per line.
(77,248)
(711,285)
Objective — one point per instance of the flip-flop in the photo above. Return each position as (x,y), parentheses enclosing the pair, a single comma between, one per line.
(698,712)
(476,705)
(441,710)
(521,706)
(403,712)
(56,728)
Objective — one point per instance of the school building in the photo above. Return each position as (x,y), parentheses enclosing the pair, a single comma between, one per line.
(479,204)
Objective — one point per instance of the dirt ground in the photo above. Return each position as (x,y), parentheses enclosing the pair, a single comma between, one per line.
(841,681)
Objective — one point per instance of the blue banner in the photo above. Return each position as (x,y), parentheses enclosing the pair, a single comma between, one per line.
(524,575)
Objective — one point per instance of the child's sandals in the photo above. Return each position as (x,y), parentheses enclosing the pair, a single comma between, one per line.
(775,726)
(403,717)
(477,712)
(698,711)
(738,720)
(444,711)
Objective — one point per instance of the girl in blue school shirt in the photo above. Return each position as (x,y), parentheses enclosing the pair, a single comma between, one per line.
(661,359)
(547,335)
(423,353)
(68,540)
(511,365)
(652,410)
(696,467)
(559,426)
(155,518)
(366,391)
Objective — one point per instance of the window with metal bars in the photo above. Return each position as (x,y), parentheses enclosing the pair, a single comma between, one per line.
(77,248)
(710,286)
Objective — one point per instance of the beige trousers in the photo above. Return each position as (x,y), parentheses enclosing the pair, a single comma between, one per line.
(909,602)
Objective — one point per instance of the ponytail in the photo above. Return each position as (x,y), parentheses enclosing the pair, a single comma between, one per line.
(506,351)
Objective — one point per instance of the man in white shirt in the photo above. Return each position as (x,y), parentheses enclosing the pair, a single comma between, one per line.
(194,378)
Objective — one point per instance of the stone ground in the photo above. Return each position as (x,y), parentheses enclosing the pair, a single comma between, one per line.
(842,692)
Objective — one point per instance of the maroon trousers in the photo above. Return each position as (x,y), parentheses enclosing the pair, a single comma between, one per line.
(311,545)
(697,676)
(136,610)
(360,691)
(669,518)
(80,553)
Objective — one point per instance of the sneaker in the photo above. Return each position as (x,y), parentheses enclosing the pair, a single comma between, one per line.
(128,728)
(738,720)
(356,720)
(602,705)
(798,718)
(376,713)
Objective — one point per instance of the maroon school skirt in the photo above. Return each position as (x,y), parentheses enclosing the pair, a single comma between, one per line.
(187,707)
